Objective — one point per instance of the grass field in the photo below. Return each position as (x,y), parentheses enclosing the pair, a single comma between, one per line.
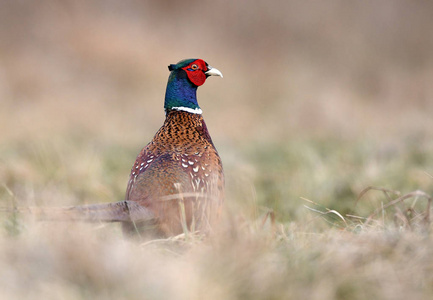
(318,102)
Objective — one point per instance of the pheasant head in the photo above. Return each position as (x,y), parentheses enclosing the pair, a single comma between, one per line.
(185,77)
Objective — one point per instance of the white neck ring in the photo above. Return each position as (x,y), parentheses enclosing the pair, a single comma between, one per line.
(196,111)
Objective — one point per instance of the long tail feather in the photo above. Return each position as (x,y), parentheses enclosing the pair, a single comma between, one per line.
(122,211)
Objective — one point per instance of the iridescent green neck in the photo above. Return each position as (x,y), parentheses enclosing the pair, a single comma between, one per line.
(181,94)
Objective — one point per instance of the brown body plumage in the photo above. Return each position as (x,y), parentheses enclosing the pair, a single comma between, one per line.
(179,169)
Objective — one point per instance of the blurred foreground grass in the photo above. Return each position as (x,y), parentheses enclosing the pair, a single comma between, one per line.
(241,260)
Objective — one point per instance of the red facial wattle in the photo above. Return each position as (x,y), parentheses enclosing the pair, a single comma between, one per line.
(196,76)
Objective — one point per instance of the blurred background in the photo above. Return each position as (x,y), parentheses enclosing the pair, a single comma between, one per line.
(319,99)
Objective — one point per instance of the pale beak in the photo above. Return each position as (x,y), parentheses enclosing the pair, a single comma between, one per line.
(213,72)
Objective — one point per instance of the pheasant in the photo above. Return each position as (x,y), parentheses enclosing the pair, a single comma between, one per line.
(177,180)
(179,176)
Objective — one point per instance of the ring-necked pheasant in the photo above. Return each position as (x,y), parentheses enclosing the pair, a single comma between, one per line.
(178,176)
(177,180)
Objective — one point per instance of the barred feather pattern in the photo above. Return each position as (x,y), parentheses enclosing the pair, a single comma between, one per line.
(178,176)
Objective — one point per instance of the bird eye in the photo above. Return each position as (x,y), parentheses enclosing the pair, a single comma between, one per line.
(194,67)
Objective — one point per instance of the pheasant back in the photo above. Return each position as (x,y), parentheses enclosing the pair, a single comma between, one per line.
(178,176)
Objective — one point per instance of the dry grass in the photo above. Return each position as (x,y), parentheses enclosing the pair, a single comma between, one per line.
(241,260)
(318,102)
